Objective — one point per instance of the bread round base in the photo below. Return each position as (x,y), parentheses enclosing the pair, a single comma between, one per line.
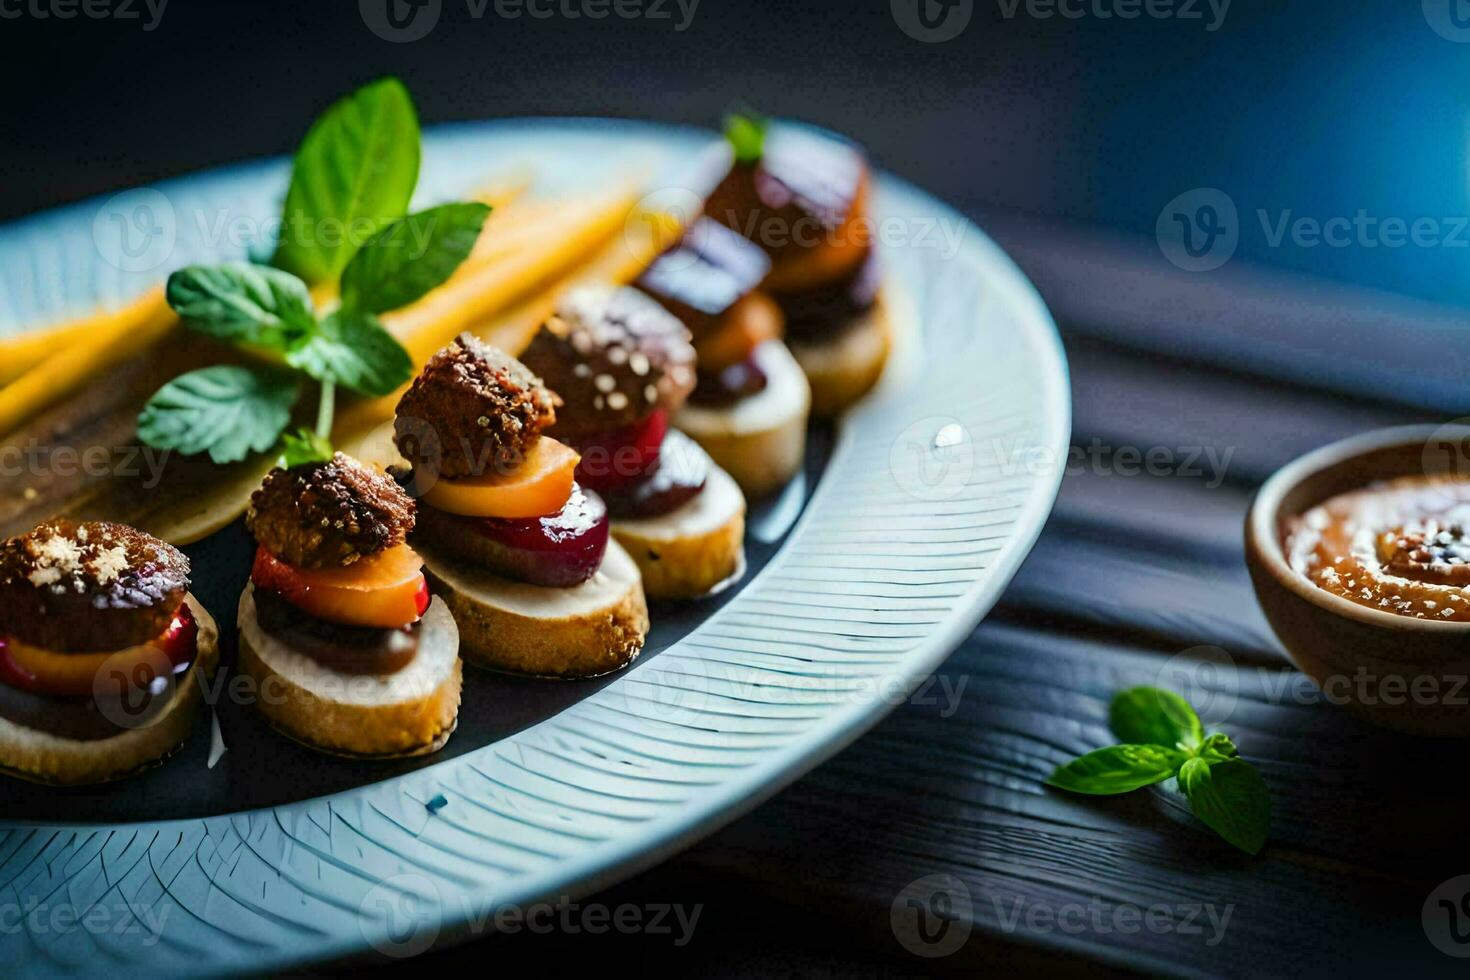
(694,551)
(759,440)
(593,628)
(411,712)
(41,757)
(846,368)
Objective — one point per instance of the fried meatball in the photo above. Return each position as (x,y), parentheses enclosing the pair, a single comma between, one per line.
(614,355)
(89,587)
(472,409)
(330,514)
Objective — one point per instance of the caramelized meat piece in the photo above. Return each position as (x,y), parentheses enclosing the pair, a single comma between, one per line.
(614,356)
(805,188)
(329,514)
(92,586)
(701,278)
(472,410)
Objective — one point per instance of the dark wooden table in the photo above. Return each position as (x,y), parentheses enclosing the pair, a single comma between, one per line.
(1138,579)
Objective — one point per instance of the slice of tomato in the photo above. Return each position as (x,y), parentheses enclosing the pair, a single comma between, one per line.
(75,674)
(386,591)
(540,486)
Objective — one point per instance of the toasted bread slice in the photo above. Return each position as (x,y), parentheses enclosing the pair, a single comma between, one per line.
(45,758)
(759,440)
(411,712)
(693,551)
(847,367)
(589,629)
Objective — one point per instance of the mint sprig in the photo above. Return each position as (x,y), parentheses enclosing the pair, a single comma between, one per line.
(1163,737)
(352,171)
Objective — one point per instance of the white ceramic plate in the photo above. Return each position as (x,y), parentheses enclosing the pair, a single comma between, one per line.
(936,488)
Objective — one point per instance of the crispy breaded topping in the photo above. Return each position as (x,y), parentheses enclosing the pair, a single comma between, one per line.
(89,586)
(329,514)
(473,408)
(614,355)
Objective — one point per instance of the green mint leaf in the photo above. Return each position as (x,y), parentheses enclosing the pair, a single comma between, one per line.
(1218,748)
(1117,769)
(1231,798)
(227,411)
(305,446)
(410,257)
(354,172)
(354,351)
(242,303)
(1154,716)
(746,133)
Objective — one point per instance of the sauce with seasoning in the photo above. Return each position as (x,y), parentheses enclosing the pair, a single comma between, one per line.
(1402,547)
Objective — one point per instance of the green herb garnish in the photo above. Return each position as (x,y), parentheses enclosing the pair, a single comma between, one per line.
(355,170)
(304,446)
(226,410)
(746,133)
(1163,737)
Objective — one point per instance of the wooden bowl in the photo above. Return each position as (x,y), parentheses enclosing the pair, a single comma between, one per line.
(1400,672)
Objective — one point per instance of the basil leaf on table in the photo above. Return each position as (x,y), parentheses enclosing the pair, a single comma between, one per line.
(304,446)
(411,256)
(353,350)
(1117,769)
(1231,798)
(354,172)
(225,410)
(242,303)
(1155,716)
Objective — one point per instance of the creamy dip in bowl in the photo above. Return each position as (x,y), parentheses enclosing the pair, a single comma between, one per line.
(1360,557)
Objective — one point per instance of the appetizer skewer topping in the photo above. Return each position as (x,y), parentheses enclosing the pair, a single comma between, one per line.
(709,280)
(334,575)
(623,364)
(803,198)
(495,490)
(78,598)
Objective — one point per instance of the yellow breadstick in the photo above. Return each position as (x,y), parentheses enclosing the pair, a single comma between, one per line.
(58,375)
(466,300)
(19,354)
(361,426)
